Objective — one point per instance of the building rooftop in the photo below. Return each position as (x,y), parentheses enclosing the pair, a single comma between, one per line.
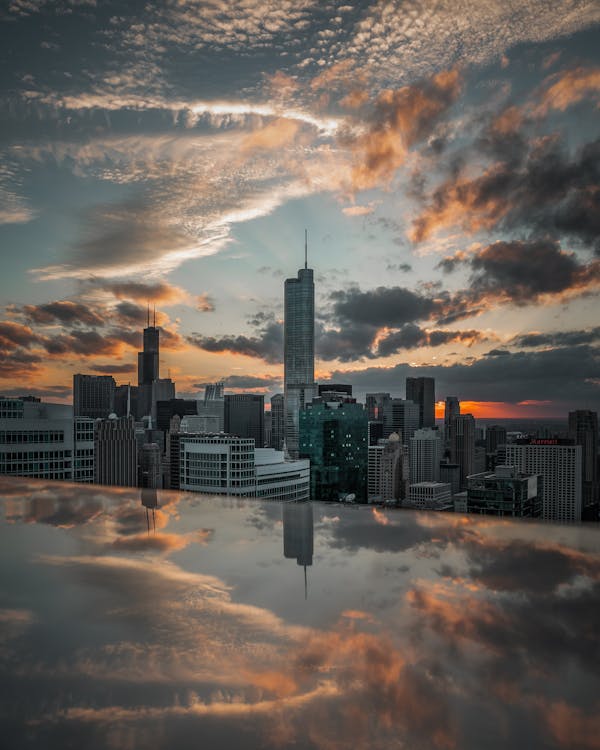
(136,618)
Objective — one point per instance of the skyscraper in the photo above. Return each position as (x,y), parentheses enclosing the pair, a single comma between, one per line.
(299,350)
(422,392)
(425,456)
(244,416)
(148,367)
(559,463)
(462,445)
(93,396)
(115,452)
(401,416)
(451,410)
(583,428)
(277,421)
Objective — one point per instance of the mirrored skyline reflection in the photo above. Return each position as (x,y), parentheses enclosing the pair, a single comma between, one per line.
(421,630)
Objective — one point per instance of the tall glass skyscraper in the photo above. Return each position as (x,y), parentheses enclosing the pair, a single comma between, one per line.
(299,351)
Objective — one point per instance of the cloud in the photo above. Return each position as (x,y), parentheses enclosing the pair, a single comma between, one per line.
(63,312)
(267,345)
(401,118)
(544,190)
(556,338)
(566,88)
(159,292)
(205,303)
(358,210)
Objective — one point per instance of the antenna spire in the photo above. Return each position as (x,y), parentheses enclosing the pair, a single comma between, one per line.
(148,316)
(306,248)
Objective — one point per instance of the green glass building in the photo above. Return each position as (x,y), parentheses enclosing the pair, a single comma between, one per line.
(334,436)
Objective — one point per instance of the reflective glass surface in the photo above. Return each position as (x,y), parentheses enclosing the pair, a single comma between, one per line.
(136,619)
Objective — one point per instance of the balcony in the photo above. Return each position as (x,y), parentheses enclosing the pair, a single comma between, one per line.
(136,619)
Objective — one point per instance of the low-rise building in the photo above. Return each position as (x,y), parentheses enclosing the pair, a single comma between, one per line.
(505,493)
(429,496)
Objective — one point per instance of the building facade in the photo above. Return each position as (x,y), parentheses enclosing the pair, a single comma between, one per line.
(333,436)
(421,391)
(425,455)
(229,465)
(299,352)
(505,493)
(429,496)
(559,463)
(388,471)
(583,429)
(402,417)
(93,396)
(277,421)
(244,416)
(462,445)
(115,452)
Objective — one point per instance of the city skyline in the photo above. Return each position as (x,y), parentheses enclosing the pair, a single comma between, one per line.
(446,165)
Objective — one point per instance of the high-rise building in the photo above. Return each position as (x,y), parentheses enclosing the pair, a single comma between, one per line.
(400,416)
(450,474)
(333,435)
(375,432)
(163,389)
(559,463)
(583,428)
(93,396)
(244,416)
(115,452)
(495,438)
(148,368)
(299,351)
(166,410)
(375,403)
(462,445)
(388,471)
(505,493)
(421,391)
(214,391)
(298,531)
(83,450)
(126,400)
(277,421)
(231,465)
(150,467)
(451,410)
(425,456)
(36,439)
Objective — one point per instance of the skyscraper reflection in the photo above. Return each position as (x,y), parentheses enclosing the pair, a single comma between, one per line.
(298,533)
(150,502)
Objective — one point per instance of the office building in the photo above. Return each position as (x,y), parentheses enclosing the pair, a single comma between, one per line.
(505,492)
(83,450)
(148,368)
(374,404)
(150,466)
(388,471)
(583,429)
(163,389)
(126,400)
(277,421)
(559,463)
(495,440)
(450,474)
(299,351)
(231,465)
(166,410)
(429,496)
(462,445)
(421,391)
(333,435)
(402,417)
(115,452)
(451,410)
(36,439)
(214,391)
(93,396)
(340,389)
(244,416)
(375,432)
(425,455)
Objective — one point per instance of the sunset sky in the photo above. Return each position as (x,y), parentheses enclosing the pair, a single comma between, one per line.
(444,157)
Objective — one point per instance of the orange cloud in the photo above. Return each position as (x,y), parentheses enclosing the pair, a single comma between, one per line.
(570,88)
(277,134)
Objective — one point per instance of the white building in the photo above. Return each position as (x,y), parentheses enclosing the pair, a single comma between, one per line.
(429,495)
(387,473)
(36,439)
(230,465)
(425,456)
(559,463)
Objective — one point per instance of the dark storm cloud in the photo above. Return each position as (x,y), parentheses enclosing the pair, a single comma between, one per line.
(383,306)
(112,369)
(63,311)
(557,338)
(521,271)
(565,374)
(543,189)
(15,334)
(267,345)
